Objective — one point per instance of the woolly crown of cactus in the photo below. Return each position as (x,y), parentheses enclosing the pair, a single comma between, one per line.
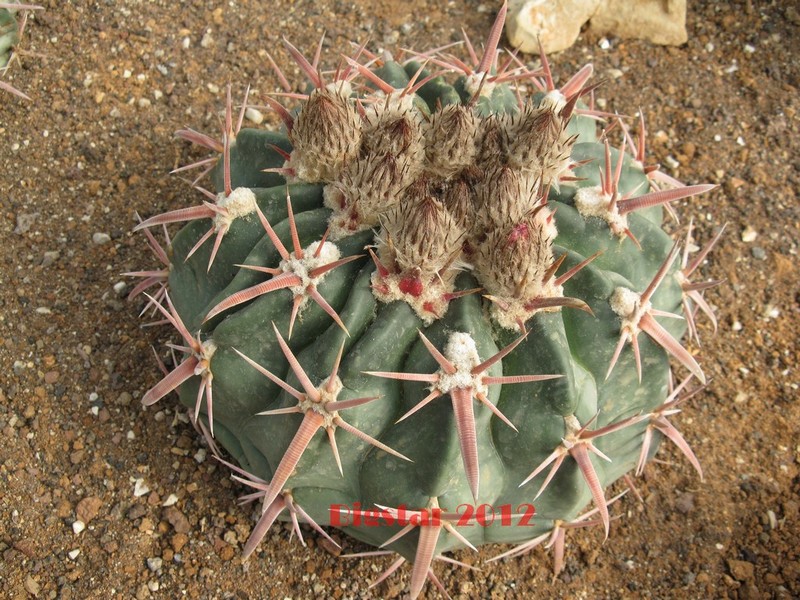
(439,295)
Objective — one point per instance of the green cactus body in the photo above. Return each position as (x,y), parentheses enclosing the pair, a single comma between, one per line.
(13,16)
(9,34)
(495,295)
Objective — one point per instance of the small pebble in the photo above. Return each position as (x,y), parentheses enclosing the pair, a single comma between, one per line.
(50,257)
(78,526)
(100,238)
(73,554)
(154,564)
(177,519)
(758,253)
(87,509)
(254,115)
(749,234)
(140,488)
(31,586)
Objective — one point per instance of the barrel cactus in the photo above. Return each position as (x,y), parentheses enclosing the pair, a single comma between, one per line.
(13,16)
(436,311)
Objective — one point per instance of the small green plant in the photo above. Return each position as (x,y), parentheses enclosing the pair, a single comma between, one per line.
(11,30)
(444,299)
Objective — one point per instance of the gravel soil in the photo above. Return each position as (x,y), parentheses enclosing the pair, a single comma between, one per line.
(100,497)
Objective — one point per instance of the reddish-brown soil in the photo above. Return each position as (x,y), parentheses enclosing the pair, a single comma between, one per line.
(111,81)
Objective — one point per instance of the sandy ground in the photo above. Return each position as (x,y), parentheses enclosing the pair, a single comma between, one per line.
(111,81)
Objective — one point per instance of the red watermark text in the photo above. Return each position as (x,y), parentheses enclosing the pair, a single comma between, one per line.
(465,515)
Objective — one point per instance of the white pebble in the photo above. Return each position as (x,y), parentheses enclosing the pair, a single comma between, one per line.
(737,326)
(672,163)
(140,488)
(100,238)
(749,234)
(254,115)
(120,288)
(73,554)
(170,501)
(78,526)
(154,564)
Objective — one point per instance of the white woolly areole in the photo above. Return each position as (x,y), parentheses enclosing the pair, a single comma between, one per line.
(430,305)
(207,350)
(592,202)
(472,83)
(554,100)
(240,202)
(310,261)
(326,396)
(462,352)
(341,87)
(628,305)
(572,424)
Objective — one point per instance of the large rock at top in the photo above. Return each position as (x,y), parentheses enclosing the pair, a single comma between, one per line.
(557,23)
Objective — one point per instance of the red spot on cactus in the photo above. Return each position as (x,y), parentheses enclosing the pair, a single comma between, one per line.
(519,232)
(411,286)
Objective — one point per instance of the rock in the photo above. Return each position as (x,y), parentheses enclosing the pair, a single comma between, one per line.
(177,519)
(24,222)
(31,586)
(178,541)
(155,563)
(87,509)
(657,21)
(557,23)
(254,115)
(99,238)
(741,570)
(685,503)
(136,511)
